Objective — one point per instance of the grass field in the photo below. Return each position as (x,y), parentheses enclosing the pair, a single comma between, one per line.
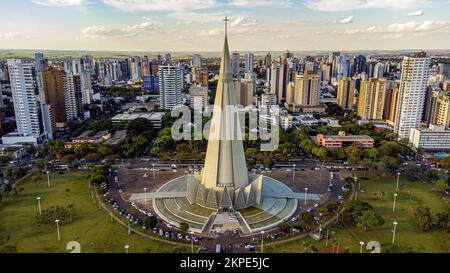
(91,227)
(409,237)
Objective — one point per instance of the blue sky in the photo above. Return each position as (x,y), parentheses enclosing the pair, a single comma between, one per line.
(195,25)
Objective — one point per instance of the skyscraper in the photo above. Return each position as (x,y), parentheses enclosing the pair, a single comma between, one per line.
(249,58)
(197,61)
(346,92)
(371,99)
(73,97)
(53,89)
(412,92)
(169,86)
(235,64)
(307,90)
(26,107)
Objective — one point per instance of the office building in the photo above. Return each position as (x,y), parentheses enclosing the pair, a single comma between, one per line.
(434,138)
(344,140)
(73,97)
(53,90)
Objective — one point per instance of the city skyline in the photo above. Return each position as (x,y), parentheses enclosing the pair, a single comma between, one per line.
(195,25)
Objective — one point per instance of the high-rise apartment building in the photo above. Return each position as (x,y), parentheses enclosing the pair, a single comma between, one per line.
(169,86)
(26,108)
(73,97)
(346,92)
(390,104)
(412,92)
(53,90)
(307,90)
(249,58)
(235,63)
(197,61)
(372,99)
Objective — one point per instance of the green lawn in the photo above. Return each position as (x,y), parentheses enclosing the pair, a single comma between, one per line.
(91,227)
(409,236)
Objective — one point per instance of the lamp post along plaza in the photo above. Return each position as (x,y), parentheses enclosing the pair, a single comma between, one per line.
(395,201)
(361,247)
(262,241)
(39,206)
(154,172)
(394,231)
(127,247)
(145,196)
(192,242)
(306,196)
(48,179)
(57,229)
(398,180)
(293,176)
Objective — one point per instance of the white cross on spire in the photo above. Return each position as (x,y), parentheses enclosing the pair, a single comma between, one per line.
(226,20)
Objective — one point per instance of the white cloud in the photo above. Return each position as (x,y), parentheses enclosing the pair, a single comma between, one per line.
(160,5)
(60,3)
(256,3)
(243,22)
(118,32)
(342,5)
(190,16)
(10,35)
(347,20)
(408,27)
(416,13)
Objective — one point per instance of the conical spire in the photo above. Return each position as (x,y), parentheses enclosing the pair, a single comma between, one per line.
(225,164)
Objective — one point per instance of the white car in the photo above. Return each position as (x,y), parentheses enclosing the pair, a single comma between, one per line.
(295,219)
(169,226)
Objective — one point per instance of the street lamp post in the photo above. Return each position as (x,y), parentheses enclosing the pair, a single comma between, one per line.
(48,179)
(57,229)
(192,242)
(262,241)
(39,206)
(145,196)
(395,201)
(356,192)
(293,176)
(394,231)
(127,247)
(398,180)
(154,172)
(320,231)
(361,248)
(306,196)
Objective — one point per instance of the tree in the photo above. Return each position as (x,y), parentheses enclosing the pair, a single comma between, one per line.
(422,216)
(306,217)
(104,150)
(93,157)
(184,226)
(68,159)
(285,228)
(369,219)
(371,153)
(150,222)
(442,186)
(354,161)
(251,152)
